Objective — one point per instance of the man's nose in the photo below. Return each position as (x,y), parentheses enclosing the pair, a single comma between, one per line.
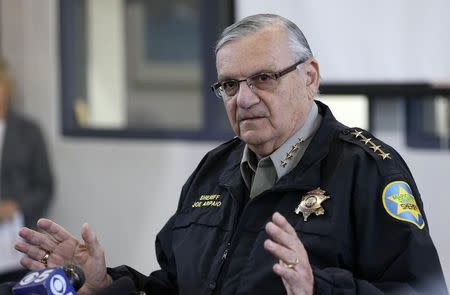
(245,96)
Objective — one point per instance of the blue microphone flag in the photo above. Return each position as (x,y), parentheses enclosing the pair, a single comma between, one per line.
(49,281)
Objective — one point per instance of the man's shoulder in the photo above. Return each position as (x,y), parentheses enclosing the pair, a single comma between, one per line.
(217,164)
(362,143)
(227,154)
(230,147)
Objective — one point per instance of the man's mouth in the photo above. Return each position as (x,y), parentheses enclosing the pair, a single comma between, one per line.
(250,118)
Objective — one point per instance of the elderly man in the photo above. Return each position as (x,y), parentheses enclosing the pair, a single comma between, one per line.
(296,203)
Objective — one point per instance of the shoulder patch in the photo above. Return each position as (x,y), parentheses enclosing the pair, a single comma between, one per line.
(399,202)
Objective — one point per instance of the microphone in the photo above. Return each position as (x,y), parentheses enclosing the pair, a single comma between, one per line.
(122,286)
(51,281)
(75,275)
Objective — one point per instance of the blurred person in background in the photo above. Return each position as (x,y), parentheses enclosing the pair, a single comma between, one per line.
(26,183)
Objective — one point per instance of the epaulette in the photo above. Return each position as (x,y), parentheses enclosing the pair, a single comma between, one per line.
(400,196)
(366,141)
(385,156)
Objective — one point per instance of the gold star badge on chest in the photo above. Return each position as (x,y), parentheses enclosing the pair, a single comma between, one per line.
(312,203)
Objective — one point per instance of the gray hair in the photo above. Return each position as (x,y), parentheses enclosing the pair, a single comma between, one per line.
(252,24)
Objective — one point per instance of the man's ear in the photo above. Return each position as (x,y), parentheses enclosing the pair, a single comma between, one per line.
(312,72)
(312,77)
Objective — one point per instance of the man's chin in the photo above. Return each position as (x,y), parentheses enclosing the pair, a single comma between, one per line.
(252,137)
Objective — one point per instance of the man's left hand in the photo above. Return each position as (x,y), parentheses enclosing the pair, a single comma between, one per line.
(293,265)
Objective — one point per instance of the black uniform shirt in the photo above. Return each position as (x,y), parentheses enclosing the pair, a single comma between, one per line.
(373,237)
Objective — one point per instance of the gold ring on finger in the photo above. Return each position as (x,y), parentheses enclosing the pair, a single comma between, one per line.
(44,259)
(291,265)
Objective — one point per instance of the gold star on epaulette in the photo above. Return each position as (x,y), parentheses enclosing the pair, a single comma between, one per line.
(385,155)
(289,155)
(357,133)
(375,148)
(368,141)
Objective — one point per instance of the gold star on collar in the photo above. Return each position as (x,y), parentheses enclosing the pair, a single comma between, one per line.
(289,155)
(312,203)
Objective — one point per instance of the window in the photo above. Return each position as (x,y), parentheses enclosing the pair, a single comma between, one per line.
(428,120)
(351,109)
(427,109)
(142,68)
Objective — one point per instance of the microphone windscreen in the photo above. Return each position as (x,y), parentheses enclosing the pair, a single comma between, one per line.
(48,281)
(75,275)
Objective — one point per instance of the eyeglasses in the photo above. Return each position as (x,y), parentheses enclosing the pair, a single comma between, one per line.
(262,81)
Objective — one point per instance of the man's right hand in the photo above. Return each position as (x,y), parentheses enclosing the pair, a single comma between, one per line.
(64,248)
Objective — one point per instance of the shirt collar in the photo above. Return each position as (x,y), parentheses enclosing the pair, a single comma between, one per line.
(249,161)
(295,145)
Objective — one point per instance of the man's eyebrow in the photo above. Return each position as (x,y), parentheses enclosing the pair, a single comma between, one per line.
(225,78)
(265,69)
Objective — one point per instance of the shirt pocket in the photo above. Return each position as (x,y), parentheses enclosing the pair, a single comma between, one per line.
(325,237)
(202,217)
(215,210)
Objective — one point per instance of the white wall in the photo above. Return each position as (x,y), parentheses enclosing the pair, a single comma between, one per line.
(127,189)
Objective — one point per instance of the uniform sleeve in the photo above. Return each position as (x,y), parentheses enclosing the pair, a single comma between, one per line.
(394,253)
(164,281)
